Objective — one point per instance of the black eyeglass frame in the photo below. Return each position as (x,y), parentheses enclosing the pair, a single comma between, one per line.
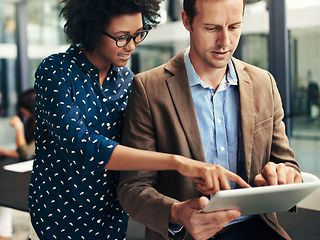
(128,37)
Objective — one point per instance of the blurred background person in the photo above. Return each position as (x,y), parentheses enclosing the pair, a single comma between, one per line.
(24,126)
(312,97)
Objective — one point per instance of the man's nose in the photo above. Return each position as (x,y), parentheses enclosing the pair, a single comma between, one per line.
(224,38)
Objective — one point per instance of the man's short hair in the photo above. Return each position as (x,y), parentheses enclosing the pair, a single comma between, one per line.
(189,6)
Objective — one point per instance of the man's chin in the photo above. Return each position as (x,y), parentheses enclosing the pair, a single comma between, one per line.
(219,64)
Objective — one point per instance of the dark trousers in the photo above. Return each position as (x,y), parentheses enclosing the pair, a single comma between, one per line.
(252,229)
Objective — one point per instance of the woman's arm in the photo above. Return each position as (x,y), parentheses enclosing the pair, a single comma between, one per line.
(26,151)
(17,124)
(8,153)
(209,178)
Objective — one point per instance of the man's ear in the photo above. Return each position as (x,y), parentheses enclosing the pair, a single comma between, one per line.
(186,21)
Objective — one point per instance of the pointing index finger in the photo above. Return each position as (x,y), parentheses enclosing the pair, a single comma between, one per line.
(237,179)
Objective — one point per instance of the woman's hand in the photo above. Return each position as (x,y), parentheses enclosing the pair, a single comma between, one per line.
(208,178)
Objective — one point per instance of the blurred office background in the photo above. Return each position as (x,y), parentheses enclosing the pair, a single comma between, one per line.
(32,29)
(283,42)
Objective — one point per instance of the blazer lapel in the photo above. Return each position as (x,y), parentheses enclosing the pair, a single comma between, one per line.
(179,89)
(246,113)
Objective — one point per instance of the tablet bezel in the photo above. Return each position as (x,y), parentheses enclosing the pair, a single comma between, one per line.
(260,200)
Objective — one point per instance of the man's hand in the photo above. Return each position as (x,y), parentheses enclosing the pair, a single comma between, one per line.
(277,174)
(209,178)
(200,225)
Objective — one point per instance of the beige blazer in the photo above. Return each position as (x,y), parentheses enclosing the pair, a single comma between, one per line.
(160,117)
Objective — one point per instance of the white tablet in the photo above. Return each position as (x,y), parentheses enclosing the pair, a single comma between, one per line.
(259,200)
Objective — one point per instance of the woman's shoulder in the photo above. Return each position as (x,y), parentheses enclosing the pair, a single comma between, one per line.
(56,59)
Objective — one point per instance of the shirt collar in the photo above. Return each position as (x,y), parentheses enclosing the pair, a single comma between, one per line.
(229,79)
(83,62)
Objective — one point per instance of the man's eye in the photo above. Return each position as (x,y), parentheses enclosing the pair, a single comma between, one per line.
(212,29)
(234,27)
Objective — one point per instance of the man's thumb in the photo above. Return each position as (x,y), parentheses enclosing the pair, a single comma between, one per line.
(198,203)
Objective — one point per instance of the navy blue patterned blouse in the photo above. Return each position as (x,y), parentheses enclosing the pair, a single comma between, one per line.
(78,125)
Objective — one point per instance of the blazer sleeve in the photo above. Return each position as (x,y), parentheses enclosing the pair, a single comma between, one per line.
(280,150)
(136,191)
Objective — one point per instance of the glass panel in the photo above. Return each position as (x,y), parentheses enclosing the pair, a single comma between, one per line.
(253,46)
(150,56)
(254,50)
(44,35)
(8,23)
(8,54)
(45,31)
(304,38)
(44,24)
(305,80)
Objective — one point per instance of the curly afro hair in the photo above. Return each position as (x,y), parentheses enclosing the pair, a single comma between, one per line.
(86,19)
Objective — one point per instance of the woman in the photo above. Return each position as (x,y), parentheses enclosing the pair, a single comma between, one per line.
(80,102)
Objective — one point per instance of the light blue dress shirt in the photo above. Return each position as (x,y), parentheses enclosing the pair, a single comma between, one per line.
(217,112)
(218,116)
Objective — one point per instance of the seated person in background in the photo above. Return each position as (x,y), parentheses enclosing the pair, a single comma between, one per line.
(204,104)
(24,126)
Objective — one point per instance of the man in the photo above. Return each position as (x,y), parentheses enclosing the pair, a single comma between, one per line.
(206,105)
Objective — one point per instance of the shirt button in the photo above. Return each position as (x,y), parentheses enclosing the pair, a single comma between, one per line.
(219,120)
(222,149)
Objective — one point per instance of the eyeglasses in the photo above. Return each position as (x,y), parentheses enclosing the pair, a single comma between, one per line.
(123,40)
